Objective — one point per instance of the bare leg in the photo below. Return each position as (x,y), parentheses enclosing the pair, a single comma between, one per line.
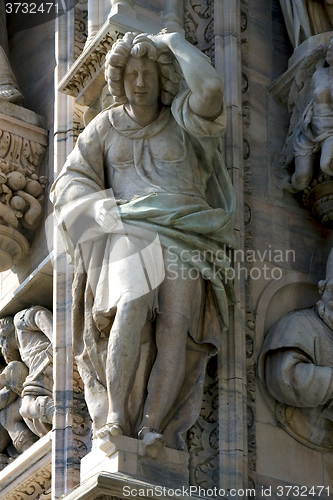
(303,172)
(123,360)
(139,390)
(167,375)
(12,421)
(326,158)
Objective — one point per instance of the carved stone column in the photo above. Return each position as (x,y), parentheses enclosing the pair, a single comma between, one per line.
(232,359)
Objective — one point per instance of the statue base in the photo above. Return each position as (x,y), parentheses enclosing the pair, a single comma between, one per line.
(121,454)
(107,486)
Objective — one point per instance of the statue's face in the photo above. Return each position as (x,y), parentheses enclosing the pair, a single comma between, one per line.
(141,81)
(325,305)
(6,326)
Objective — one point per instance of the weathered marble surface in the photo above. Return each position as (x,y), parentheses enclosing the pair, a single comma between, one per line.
(22,146)
(27,379)
(121,454)
(306,18)
(174,182)
(296,366)
(310,129)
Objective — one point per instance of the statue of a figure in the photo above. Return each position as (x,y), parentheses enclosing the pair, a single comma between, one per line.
(296,365)
(9,90)
(12,376)
(311,124)
(142,342)
(305,18)
(29,334)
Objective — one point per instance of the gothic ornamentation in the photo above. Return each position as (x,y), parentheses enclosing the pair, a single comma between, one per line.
(81,26)
(203,437)
(21,189)
(88,66)
(199,25)
(36,488)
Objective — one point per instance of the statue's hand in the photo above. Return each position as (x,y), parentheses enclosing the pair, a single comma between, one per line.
(163,40)
(106,214)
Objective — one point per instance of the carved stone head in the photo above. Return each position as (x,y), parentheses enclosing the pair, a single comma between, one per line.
(8,344)
(141,46)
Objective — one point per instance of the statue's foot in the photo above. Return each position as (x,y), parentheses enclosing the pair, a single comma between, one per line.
(111,428)
(152,440)
(11,94)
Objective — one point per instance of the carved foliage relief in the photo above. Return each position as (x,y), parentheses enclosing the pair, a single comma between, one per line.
(203,437)
(199,25)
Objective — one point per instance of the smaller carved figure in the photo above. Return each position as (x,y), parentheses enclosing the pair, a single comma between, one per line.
(311,125)
(30,333)
(12,426)
(296,366)
(305,18)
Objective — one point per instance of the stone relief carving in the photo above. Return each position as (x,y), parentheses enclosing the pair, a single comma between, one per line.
(142,218)
(26,382)
(203,437)
(90,66)
(307,157)
(81,26)
(36,488)
(306,18)
(9,90)
(199,25)
(296,363)
(21,189)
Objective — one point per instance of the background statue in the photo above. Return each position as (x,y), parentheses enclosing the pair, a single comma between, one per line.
(30,333)
(9,90)
(148,307)
(305,18)
(296,366)
(311,124)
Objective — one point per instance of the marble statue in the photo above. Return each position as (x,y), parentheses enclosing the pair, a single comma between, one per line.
(26,341)
(9,90)
(311,125)
(296,366)
(13,429)
(144,184)
(305,18)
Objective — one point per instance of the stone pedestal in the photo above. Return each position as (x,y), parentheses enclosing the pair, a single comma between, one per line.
(121,454)
(107,486)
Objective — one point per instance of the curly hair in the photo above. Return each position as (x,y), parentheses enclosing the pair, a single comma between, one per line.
(132,45)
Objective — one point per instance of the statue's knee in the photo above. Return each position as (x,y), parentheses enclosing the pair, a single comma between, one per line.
(128,306)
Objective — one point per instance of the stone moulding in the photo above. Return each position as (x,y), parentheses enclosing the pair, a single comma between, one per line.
(85,79)
(21,143)
(111,487)
(29,475)
(13,246)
